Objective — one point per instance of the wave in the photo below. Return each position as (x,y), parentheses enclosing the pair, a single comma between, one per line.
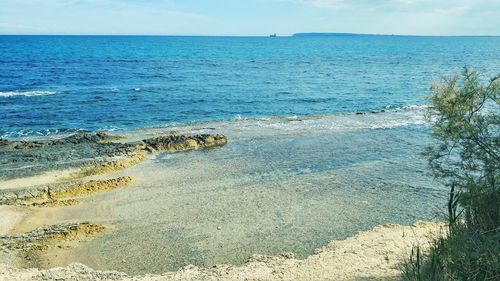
(51,133)
(250,127)
(386,118)
(26,93)
(414,107)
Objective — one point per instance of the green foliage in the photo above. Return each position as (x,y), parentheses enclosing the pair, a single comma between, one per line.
(466,158)
(464,254)
(467,155)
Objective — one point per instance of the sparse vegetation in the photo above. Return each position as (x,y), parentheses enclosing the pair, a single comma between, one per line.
(466,158)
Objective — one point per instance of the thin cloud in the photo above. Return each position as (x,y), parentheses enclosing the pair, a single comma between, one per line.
(243,17)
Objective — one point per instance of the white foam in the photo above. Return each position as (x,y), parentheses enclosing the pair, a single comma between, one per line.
(415,107)
(26,93)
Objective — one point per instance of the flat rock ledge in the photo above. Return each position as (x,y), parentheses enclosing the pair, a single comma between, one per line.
(61,193)
(36,248)
(171,143)
(175,143)
(115,156)
(77,138)
(40,238)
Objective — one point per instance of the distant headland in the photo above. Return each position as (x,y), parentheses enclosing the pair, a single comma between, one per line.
(336,34)
(317,34)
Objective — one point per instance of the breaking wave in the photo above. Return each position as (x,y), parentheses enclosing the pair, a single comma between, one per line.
(26,93)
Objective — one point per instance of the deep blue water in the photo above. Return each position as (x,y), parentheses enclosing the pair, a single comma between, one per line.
(51,84)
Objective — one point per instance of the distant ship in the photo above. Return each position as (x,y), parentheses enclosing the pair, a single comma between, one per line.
(273,35)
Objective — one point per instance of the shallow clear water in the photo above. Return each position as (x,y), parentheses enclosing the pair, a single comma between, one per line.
(52,84)
(278,186)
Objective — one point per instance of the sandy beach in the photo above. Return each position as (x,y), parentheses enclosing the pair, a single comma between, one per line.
(54,221)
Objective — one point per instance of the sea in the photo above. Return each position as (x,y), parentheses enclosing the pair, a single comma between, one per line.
(325,135)
(59,84)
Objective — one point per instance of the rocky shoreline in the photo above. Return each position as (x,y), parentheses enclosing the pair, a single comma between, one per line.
(370,255)
(30,158)
(94,157)
(30,247)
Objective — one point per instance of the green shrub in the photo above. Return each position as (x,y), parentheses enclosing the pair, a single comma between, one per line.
(466,158)
(464,254)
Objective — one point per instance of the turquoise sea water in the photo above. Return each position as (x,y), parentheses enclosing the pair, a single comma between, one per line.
(53,84)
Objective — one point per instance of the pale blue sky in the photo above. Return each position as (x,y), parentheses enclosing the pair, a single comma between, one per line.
(250,17)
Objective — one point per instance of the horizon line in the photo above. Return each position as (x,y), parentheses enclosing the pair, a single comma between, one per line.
(304,34)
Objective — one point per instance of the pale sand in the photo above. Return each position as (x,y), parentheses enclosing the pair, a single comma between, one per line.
(370,255)
(9,217)
(43,179)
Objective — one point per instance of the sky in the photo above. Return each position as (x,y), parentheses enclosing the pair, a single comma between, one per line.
(250,17)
